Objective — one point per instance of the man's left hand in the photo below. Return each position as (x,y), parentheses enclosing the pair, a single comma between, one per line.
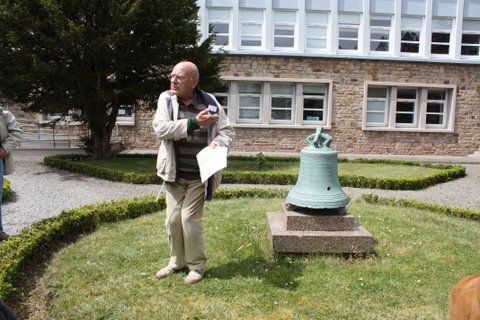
(213,144)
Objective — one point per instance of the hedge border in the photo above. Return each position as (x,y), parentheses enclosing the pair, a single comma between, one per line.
(447,172)
(469,214)
(7,190)
(19,250)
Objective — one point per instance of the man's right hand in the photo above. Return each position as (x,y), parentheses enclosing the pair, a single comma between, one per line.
(204,118)
(3,153)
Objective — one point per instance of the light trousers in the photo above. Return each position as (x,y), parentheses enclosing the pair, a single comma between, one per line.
(185,200)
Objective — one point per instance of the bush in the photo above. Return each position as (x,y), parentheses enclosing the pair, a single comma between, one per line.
(446,172)
(436,208)
(7,191)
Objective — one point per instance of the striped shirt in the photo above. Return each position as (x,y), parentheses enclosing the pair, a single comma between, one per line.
(187,149)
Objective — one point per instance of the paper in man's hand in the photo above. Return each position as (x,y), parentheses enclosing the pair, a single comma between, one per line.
(211,160)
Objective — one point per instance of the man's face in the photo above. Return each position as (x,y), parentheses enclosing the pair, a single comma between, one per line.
(182,82)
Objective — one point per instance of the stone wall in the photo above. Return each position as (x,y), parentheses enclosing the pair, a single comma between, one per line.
(348,77)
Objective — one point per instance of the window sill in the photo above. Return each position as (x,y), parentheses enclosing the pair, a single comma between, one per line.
(409,130)
(278,126)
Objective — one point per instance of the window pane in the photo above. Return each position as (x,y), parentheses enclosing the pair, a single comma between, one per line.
(281,103)
(286,89)
(353,19)
(251,15)
(379,21)
(218,28)
(442,24)
(436,95)
(348,33)
(249,114)
(471,25)
(348,44)
(405,106)
(314,89)
(311,103)
(435,107)
(407,93)
(376,106)
(221,40)
(250,87)
(441,37)
(284,42)
(251,43)
(252,102)
(316,31)
(471,38)
(410,47)
(311,115)
(123,111)
(376,92)
(317,17)
(470,51)
(216,14)
(281,114)
(404,118)
(411,23)
(284,30)
(284,17)
(440,49)
(379,35)
(410,36)
(251,29)
(316,44)
(376,117)
(434,119)
(378,46)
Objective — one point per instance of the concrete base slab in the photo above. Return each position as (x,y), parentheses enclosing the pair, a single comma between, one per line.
(357,240)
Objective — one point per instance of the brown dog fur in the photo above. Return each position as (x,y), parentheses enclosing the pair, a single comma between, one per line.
(465,299)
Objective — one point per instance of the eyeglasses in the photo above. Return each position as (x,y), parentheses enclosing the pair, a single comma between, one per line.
(179,78)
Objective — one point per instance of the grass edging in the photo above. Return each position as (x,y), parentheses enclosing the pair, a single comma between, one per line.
(19,250)
(7,190)
(469,214)
(447,172)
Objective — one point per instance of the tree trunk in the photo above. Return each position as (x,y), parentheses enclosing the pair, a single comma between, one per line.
(101,143)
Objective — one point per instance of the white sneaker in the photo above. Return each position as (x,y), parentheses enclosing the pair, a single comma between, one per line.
(164,272)
(193,277)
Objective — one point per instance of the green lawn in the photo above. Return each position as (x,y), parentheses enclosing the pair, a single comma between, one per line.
(110,274)
(375,170)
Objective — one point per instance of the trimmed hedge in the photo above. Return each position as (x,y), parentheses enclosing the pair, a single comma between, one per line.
(436,208)
(446,172)
(7,191)
(19,250)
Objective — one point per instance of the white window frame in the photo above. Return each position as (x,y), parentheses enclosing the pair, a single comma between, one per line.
(420,37)
(450,43)
(255,95)
(288,96)
(448,125)
(265,101)
(317,25)
(325,98)
(380,28)
(294,37)
(415,102)
(357,27)
(126,121)
(217,94)
(468,32)
(385,112)
(228,22)
(242,24)
(443,113)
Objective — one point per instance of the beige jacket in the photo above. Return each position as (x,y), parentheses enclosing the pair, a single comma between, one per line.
(169,130)
(10,136)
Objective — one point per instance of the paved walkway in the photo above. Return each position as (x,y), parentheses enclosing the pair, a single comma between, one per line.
(42,192)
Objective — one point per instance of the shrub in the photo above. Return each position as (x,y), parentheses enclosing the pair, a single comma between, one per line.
(7,191)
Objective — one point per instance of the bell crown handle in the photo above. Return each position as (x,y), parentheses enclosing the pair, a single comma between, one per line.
(319,139)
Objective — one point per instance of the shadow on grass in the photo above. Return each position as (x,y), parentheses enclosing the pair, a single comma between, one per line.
(284,272)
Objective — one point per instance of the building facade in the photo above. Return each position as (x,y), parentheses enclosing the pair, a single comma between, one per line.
(382,76)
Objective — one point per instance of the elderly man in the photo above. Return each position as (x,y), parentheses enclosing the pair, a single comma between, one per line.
(186,121)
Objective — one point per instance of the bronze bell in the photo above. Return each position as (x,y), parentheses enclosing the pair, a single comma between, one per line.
(318,186)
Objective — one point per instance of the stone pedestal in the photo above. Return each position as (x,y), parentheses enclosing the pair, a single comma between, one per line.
(296,232)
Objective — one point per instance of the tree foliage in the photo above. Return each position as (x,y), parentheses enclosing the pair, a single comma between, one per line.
(95,55)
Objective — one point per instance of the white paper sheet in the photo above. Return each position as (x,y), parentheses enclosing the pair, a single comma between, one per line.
(211,160)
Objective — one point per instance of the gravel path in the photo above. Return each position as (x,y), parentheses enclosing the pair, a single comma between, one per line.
(42,192)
